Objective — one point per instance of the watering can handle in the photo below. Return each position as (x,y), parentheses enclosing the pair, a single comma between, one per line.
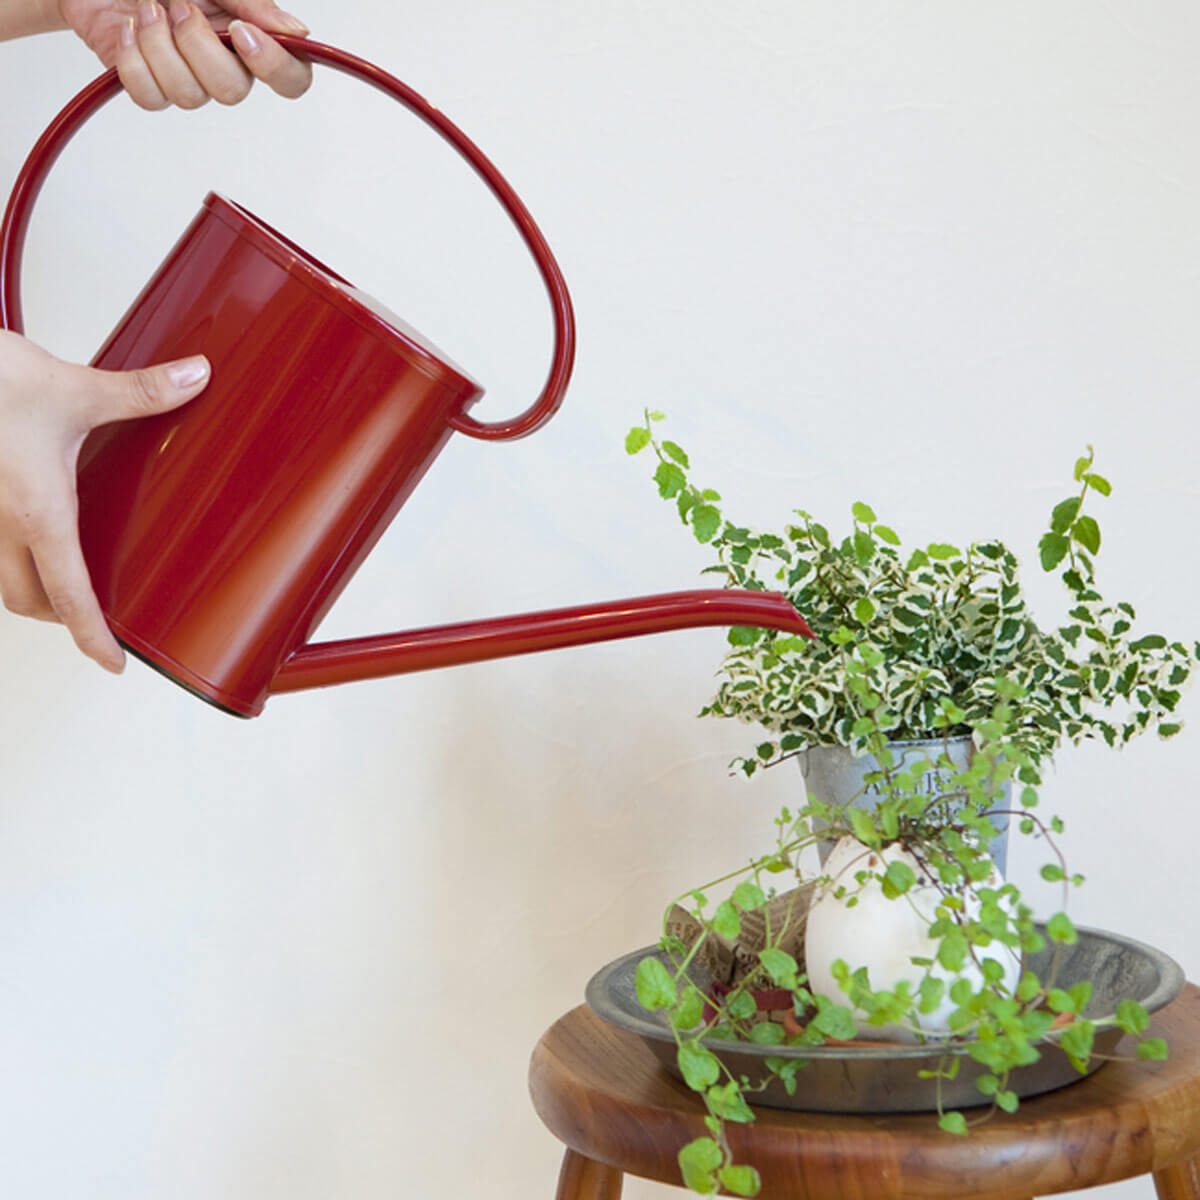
(95,95)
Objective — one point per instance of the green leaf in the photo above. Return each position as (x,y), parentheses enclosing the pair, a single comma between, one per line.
(706,520)
(1053,548)
(1060,929)
(1152,641)
(864,547)
(670,479)
(698,1163)
(864,513)
(698,1065)
(767,1033)
(889,822)
(1007,1101)
(1098,483)
(952,949)
(1028,987)
(726,921)
(953,1122)
(1132,1017)
(638,438)
(943,551)
(740,1180)
(1077,1041)
(1087,534)
(1053,873)
(748,896)
(1081,993)
(780,966)
(727,1101)
(897,879)
(1168,730)
(655,415)
(1152,1048)
(1064,514)
(1060,1001)
(886,534)
(864,610)
(655,987)
(676,452)
(743,635)
(931,991)
(742,1006)
(835,1021)
(863,826)
(689,1012)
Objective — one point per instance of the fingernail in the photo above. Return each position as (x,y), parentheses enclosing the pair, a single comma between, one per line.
(188,372)
(179,12)
(148,13)
(292,24)
(245,38)
(115,665)
(128,34)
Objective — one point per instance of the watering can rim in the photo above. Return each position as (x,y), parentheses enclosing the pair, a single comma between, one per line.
(335,289)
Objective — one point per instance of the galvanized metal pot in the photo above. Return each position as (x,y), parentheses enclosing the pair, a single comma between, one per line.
(833,774)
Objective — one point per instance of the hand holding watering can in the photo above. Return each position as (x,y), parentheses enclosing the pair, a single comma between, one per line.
(218,534)
(163,55)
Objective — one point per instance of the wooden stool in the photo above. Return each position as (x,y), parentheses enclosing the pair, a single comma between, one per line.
(603,1094)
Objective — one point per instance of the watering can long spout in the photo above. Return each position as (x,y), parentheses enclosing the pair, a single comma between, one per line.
(474,641)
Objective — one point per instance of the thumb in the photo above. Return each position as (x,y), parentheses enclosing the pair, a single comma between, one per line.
(120,395)
(267,15)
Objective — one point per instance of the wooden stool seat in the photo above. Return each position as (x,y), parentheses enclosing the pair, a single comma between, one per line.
(603,1094)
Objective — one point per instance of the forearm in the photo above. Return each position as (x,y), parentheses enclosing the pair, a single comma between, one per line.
(21,18)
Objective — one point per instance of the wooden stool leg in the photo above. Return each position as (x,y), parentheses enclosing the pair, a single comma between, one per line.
(1180,1182)
(583,1179)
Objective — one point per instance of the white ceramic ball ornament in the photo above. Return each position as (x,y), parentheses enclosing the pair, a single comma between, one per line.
(885,935)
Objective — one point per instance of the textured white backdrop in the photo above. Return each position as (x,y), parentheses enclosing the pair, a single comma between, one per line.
(914,253)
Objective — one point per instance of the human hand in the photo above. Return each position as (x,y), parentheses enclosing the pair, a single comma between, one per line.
(47,408)
(171,55)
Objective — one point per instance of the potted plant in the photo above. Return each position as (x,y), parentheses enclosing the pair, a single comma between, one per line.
(940,701)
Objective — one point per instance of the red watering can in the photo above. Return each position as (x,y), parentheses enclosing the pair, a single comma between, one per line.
(219,535)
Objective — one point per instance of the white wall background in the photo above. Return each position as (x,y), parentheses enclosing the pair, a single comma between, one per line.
(913,253)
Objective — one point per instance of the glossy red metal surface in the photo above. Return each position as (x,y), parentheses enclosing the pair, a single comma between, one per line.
(219,535)
(552,629)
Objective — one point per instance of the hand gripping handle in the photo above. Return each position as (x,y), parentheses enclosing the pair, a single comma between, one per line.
(95,95)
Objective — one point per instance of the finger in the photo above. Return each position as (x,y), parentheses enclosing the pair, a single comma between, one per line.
(64,575)
(269,61)
(266,14)
(136,76)
(121,395)
(20,586)
(218,72)
(173,76)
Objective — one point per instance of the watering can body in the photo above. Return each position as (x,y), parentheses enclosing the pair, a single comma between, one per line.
(218,535)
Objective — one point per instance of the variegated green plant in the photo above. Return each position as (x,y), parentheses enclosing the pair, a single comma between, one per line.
(937,624)
(930,644)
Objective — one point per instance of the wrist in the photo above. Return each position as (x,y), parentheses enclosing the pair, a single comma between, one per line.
(52,14)
(23,18)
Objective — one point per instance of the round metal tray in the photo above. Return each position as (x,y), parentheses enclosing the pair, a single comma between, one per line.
(878,1079)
